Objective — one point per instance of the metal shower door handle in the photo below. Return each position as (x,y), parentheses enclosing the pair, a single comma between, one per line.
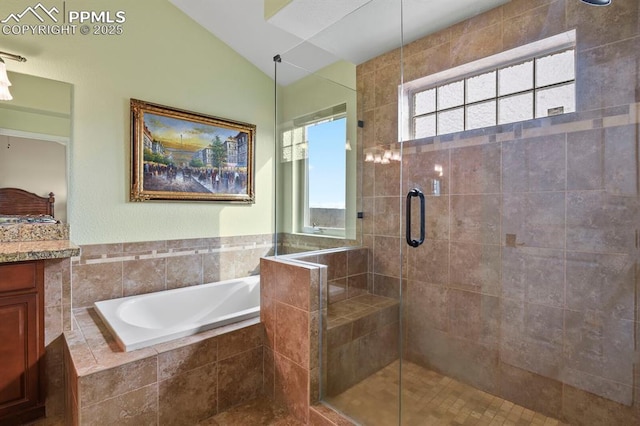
(415,192)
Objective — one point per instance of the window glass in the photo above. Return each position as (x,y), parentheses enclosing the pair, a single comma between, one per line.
(504,89)
(556,68)
(515,108)
(481,87)
(481,115)
(451,121)
(424,102)
(424,126)
(556,97)
(451,95)
(516,78)
(326,173)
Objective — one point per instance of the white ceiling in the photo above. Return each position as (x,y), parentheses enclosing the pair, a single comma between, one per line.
(312,34)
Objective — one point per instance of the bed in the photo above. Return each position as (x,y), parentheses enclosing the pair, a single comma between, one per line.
(18,202)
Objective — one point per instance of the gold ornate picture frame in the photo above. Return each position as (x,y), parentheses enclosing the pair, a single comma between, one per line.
(184,155)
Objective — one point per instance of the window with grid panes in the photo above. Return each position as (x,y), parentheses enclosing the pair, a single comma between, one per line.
(509,91)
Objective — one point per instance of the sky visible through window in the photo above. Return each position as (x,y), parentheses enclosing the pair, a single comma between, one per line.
(327,163)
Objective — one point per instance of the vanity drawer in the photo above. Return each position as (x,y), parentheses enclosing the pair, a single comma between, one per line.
(18,276)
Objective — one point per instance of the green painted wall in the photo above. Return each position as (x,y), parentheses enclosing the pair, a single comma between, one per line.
(162,57)
(39,105)
(271,7)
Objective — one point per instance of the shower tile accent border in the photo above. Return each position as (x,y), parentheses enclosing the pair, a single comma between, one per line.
(545,127)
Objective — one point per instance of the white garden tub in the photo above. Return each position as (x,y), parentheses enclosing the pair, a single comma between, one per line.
(148,319)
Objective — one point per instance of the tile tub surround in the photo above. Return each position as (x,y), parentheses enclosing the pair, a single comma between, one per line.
(109,271)
(529,271)
(181,382)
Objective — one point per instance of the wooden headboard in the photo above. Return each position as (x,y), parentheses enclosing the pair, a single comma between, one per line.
(14,201)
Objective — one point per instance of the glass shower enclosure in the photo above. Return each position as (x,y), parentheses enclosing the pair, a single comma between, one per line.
(483,157)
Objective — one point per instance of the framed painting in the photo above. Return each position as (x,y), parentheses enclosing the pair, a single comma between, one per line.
(184,155)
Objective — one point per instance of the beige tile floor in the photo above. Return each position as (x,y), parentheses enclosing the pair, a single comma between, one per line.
(429,399)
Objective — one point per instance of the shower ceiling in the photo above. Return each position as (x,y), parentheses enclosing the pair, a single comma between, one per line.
(360,36)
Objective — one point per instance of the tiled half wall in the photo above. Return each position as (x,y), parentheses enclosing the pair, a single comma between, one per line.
(304,346)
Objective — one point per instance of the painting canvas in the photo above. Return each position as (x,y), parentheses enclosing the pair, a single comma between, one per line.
(183,155)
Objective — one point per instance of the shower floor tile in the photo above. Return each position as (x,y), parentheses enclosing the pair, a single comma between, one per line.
(429,399)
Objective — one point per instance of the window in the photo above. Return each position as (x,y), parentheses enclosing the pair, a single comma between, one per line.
(532,81)
(317,142)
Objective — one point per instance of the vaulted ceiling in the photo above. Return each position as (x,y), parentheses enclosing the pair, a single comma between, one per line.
(312,34)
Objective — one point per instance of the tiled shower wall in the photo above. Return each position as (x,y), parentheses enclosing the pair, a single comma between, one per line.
(527,284)
(107,271)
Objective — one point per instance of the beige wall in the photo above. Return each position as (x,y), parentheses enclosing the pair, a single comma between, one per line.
(162,57)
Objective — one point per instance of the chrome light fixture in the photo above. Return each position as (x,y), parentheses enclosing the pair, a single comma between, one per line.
(597,2)
(5,94)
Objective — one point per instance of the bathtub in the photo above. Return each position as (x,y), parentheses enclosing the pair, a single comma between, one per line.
(148,319)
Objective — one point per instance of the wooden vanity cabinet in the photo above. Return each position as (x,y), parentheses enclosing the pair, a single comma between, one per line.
(21,342)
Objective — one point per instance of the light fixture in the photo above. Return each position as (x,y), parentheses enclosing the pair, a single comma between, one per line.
(5,94)
(597,2)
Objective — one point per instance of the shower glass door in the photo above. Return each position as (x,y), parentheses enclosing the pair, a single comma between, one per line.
(521,131)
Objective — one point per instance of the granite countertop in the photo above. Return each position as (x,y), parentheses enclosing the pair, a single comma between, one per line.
(35,241)
(19,251)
